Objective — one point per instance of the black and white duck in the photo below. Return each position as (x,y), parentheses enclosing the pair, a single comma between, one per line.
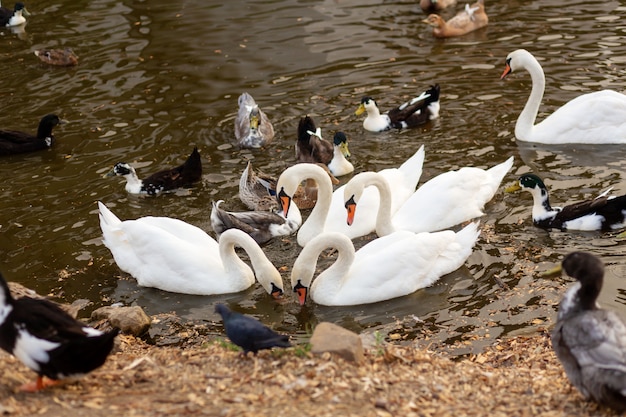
(253,128)
(603,213)
(59,57)
(413,113)
(312,148)
(590,342)
(48,340)
(14,17)
(260,225)
(166,180)
(15,141)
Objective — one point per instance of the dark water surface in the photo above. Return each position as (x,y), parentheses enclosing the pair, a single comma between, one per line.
(158,77)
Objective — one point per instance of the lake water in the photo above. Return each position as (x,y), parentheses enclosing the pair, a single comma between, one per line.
(157,78)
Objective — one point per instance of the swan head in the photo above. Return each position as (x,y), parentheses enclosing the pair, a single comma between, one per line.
(301,291)
(516,60)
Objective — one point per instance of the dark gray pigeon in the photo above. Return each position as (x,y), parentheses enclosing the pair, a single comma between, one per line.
(249,333)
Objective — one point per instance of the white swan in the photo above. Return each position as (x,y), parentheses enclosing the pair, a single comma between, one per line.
(175,256)
(597,117)
(442,202)
(328,214)
(387,267)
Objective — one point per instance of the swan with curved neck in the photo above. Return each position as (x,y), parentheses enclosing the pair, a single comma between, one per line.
(596,117)
(172,255)
(442,202)
(328,214)
(387,267)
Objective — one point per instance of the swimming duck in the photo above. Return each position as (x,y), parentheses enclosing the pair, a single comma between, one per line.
(172,255)
(413,113)
(444,201)
(60,57)
(48,340)
(168,179)
(312,148)
(391,266)
(603,213)
(261,225)
(436,5)
(329,213)
(258,190)
(470,19)
(253,128)
(13,17)
(596,117)
(590,342)
(14,141)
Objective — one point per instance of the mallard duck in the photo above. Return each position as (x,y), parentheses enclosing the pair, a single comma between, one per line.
(60,57)
(391,266)
(14,17)
(168,179)
(261,225)
(470,19)
(590,342)
(329,211)
(603,213)
(172,255)
(48,340)
(248,333)
(596,117)
(253,129)
(444,201)
(14,141)
(413,113)
(312,148)
(258,190)
(436,5)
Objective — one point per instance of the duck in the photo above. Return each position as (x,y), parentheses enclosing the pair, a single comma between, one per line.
(312,148)
(260,225)
(387,267)
(248,333)
(175,256)
(591,118)
(413,113)
(59,57)
(15,17)
(14,141)
(253,128)
(470,19)
(257,190)
(48,340)
(436,5)
(166,180)
(590,342)
(442,202)
(328,214)
(604,213)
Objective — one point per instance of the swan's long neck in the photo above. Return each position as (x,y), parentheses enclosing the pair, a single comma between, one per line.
(237,270)
(330,281)
(526,121)
(289,181)
(384,224)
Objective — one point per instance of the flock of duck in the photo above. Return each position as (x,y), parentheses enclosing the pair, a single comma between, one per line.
(415,243)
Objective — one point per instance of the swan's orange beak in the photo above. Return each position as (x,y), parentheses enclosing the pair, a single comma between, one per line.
(285,201)
(507,70)
(351,209)
(302,292)
(277,293)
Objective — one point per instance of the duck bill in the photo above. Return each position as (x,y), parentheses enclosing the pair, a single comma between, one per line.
(360,109)
(507,71)
(513,188)
(111,173)
(344,150)
(254,122)
(552,272)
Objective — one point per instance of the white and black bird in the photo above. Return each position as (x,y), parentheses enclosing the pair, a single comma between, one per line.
(413,113)
(16,141)
(248,333)
(590,342)
(15,17)
(48,340)
(603,213)
(165,180)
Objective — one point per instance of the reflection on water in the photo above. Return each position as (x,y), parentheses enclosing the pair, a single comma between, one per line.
(156,78)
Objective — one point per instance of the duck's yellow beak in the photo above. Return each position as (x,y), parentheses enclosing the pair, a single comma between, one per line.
(344,149)
(553,271)
(254,122)
(360,109)
(513,188)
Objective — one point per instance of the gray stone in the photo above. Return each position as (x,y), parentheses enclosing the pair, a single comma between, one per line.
(130,320)
(328,337)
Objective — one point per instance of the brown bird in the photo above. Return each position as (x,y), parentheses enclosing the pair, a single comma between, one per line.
(469,20)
